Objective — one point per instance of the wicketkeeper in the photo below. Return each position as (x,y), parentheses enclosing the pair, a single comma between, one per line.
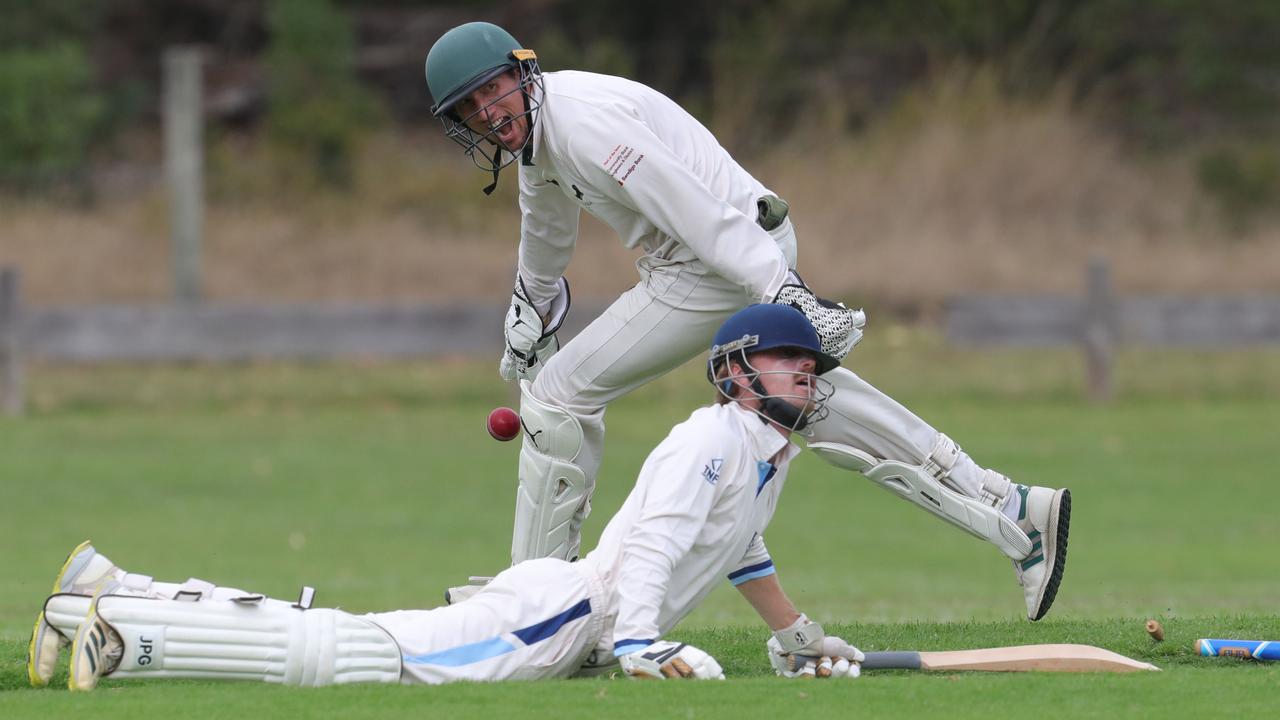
(697,515)
(714,240)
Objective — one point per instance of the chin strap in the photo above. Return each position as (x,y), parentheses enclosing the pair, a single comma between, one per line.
(493,163)
(779,410)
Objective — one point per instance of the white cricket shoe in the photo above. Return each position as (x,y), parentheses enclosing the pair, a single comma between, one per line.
(1045,518)
(95,651)
(85,572)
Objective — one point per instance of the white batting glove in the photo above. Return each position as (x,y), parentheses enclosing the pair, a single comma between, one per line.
(530,341)
(515,367)
(839,328)
(802,650)
(665,659)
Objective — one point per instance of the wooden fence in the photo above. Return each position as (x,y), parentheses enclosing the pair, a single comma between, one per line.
(1098,322)
(220,332)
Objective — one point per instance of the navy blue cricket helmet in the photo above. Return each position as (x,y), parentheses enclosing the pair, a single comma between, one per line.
(765,327)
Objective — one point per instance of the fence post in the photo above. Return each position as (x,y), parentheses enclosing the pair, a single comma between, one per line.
(1099,330)
(11,390)
(184,167)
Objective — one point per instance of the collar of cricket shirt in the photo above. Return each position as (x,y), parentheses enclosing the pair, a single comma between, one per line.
(766,441)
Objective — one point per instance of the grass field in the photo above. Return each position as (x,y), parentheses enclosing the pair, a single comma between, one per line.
(378,485)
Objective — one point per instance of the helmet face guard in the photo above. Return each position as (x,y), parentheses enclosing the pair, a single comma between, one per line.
(771,326)
(791,411)
(456,129)
(463,60)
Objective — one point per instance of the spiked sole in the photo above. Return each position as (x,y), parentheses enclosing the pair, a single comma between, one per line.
(1062,526)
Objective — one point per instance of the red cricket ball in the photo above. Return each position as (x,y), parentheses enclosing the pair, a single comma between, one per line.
(503,424)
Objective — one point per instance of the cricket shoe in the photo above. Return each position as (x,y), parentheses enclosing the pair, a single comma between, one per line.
(1046,518)
(460,593)
(86,572)
(95,651)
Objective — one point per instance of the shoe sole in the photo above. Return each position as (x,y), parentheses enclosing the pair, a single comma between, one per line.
(66,566)
(32,675)
(1062,524)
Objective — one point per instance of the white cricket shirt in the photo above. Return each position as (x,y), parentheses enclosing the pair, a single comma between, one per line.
(632,157)
(696,517)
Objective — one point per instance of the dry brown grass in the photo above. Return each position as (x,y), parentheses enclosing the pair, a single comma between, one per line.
(959,190)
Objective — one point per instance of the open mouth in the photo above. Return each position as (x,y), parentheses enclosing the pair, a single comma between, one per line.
(504,129)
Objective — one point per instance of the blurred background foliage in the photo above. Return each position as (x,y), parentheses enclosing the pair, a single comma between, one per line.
(308,80)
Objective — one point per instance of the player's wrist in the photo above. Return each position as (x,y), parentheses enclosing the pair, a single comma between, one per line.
(800,636)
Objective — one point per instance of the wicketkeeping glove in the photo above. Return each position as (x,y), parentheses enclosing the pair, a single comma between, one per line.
(665,659)
(530,341)
(804,651)
(839,328)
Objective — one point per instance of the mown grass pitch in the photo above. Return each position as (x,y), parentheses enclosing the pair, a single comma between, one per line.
(379,486)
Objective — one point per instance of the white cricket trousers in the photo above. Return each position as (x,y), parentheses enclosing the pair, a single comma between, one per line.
(670,316)
(536,620)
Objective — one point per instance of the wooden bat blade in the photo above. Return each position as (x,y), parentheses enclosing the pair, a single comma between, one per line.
(1021,658)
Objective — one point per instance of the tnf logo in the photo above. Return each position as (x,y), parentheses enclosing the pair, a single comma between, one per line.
(145,646)
(711,473)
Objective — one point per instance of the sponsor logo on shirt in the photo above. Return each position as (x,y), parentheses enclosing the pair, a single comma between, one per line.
(622,161)
(711,473)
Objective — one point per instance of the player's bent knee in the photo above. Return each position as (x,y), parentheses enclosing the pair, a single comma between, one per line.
(552,430)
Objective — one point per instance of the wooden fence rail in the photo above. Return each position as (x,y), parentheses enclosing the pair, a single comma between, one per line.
(221,332)
(1099,322)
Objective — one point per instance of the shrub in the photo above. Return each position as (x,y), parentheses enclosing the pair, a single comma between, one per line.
(317,110)
(49,116)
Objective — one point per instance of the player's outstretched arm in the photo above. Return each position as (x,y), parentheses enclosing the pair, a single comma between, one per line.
(799,647)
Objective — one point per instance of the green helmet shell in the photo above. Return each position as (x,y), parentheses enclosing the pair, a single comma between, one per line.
(466,57)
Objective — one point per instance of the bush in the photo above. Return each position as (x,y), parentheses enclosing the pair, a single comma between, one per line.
(317,110)
(50,114)
(1243,181)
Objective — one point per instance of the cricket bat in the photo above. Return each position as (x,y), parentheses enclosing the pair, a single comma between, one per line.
(1256,649)
(1021,658)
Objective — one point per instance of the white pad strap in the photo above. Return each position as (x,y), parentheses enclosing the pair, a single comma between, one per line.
(271,642)
(137,582)
(554,496)
(195,589)
(923,488)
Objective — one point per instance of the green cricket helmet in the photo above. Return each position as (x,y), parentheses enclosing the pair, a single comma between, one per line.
(463,60)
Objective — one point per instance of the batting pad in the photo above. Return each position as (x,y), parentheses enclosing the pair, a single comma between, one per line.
(554,494)
(918,484)
(65,612)
(227,640)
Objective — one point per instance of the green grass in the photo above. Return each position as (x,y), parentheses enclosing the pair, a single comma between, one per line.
(378,485)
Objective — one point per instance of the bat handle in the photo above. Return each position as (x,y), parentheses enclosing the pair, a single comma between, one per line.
(900,660)
(1256,649)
